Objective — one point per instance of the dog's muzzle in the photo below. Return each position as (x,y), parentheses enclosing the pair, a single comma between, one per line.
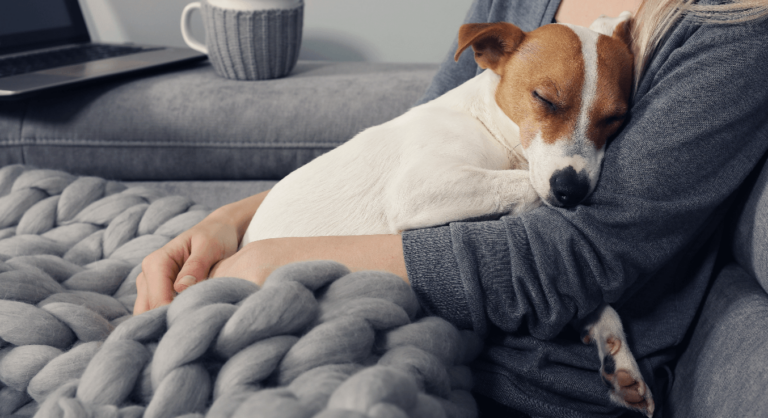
(568,187)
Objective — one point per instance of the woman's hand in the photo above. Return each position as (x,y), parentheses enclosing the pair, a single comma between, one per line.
(209,249)
(188,258)
(184,261)
(258,259)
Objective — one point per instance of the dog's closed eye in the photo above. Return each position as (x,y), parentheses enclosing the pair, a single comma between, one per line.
(614,120)
(547,103)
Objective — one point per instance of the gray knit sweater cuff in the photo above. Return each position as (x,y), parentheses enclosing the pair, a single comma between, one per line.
(253,45)
(434,274)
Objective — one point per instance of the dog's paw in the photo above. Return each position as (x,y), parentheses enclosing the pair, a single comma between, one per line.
(620,373)
(618,367)
(529,200)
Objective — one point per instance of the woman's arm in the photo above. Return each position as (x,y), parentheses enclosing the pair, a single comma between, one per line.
(188,258)
(258,259)
(698,127)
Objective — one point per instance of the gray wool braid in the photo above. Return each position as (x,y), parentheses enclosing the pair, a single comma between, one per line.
(315,340)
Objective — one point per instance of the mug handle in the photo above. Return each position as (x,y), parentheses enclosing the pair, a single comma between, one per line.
(186,32)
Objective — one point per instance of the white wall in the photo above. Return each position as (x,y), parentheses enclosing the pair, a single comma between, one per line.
(337,30)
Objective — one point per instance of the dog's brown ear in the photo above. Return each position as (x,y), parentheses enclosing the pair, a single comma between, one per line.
(623,32)
(490,41)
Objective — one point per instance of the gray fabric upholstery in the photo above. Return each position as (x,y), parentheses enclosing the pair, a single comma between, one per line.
(723,371)
(193,125)
(750,235)
(11,115)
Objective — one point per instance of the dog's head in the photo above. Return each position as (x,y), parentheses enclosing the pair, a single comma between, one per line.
(567,88)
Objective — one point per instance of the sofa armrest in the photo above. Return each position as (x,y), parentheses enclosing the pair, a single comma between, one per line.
(724,372)
(190,124)
(749,225)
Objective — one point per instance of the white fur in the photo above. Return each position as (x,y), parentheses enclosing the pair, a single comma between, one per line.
(575,150)
(606,25)
(454,158)
(603,325)
(451,159)
(588,40)
(547,158)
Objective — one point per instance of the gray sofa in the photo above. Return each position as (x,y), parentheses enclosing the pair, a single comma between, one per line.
(186,126)
(192,133)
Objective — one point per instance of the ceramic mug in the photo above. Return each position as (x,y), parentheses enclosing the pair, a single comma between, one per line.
(248,39)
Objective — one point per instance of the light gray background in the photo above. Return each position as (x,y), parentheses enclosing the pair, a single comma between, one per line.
(335,30)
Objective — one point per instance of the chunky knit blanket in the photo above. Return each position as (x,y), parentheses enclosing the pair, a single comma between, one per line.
(315,340)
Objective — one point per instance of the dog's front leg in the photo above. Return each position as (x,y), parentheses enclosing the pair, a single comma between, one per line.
(618,367)
(424,197)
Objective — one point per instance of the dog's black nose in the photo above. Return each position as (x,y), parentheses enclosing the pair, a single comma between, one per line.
(569,187)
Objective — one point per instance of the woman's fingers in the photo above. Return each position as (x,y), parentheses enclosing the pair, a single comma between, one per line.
(188,258)
(196,268)
(140,306)
(159,269)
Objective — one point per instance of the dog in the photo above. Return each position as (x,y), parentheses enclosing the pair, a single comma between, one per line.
(529,130)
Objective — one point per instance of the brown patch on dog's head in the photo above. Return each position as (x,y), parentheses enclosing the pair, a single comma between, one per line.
(623,32)
(542,76)
(615,68)
(541,84)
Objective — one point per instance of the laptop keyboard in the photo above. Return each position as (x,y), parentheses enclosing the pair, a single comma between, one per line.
(75,54)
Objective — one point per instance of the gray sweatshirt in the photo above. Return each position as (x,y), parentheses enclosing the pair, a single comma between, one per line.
(646,241)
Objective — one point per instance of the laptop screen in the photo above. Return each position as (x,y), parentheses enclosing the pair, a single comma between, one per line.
(33,24)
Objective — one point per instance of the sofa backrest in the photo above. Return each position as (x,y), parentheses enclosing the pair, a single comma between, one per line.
(190,124)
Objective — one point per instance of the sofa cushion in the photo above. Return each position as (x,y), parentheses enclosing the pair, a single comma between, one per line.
(190,124)
(750,232)
(723,372)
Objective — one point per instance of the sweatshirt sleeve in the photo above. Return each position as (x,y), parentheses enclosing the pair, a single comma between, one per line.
(698,126)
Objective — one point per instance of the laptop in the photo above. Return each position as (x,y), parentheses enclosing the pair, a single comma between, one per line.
(44,44)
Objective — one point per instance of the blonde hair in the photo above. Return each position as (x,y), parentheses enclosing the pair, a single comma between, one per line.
(655,19)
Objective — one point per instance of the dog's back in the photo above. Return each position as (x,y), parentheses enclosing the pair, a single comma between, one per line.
(358,188)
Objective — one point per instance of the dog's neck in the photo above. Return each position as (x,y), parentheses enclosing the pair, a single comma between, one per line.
(478,98)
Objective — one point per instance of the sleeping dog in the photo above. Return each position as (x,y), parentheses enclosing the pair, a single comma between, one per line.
(529,130)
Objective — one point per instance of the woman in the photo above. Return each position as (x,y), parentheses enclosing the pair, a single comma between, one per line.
(646,241)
